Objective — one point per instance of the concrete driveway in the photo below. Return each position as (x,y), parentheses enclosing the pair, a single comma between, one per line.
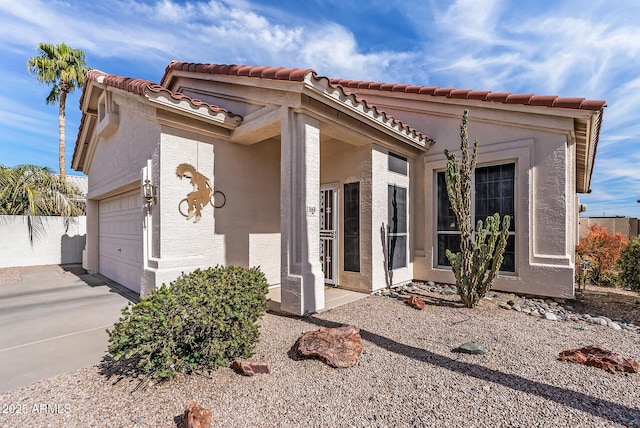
(53,321)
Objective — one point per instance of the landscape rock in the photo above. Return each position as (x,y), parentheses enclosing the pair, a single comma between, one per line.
(338,347)
(250,368)
(594,356)
(614,325)
(550,308)
(196,416)
(416,302)
(470,348)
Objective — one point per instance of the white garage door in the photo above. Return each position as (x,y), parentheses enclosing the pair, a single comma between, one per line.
(121,239)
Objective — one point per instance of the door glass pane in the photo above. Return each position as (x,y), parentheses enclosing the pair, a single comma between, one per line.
(397,251)
(397,209)
(351,227)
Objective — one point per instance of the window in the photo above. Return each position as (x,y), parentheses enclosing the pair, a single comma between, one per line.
(397,227)
(398,164)
(351,233)
(494,192)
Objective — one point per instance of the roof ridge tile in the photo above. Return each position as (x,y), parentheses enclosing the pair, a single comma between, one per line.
(481,95)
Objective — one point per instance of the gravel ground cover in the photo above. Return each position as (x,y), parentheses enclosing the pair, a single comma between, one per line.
(406,376)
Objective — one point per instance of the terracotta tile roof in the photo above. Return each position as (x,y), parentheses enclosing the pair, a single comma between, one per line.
(263,72)
(289,74)
(502,97)
(139,86)
(136,86)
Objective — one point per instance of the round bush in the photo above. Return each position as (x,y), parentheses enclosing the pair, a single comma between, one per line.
(202,320)
(629,264)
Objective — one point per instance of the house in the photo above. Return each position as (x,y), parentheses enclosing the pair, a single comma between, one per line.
(322,181)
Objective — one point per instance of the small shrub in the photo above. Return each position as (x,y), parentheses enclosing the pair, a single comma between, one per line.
(601,249)
(629,264)
(201,321)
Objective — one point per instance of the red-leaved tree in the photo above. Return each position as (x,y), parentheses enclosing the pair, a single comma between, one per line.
(601,249)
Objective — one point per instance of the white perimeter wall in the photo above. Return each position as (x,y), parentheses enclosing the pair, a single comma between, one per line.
(59,245)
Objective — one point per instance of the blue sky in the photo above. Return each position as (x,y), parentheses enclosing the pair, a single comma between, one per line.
(569,48)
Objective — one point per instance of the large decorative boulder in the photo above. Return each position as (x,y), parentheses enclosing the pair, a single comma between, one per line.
(338,347)
(250,368)
(601,358)
(196,416)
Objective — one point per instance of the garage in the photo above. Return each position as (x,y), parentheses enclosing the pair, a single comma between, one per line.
(120,227)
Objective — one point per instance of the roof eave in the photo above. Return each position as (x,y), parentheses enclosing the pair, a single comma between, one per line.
(187,107)
(321,87)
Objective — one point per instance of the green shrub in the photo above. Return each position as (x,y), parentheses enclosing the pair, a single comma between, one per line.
(629,264)
(202,320)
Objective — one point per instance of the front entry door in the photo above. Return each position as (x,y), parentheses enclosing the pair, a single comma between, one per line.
(329,233)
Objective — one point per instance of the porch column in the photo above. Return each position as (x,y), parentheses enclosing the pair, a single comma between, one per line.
(302,280)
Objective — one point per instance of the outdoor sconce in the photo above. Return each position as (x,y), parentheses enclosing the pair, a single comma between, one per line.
(148,192)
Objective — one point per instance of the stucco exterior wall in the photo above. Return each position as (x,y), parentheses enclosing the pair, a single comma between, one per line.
(122,154)
(249,223)
(545,216)
(116,165)
(342,163)
(243,232)
(381,276)
(61,243)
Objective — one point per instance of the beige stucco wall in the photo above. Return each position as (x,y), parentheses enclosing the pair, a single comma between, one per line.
(121,155)
(546,208)
(116,165)
(382,178)
(244,232)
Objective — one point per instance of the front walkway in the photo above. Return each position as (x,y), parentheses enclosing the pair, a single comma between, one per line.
(333,297)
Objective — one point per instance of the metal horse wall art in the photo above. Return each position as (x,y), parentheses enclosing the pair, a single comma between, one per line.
(201,195)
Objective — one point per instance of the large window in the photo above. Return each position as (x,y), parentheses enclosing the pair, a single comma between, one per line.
(494,192)
(351,227)
(397,224)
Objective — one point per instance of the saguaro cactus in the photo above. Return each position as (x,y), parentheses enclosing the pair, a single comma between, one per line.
(481,254)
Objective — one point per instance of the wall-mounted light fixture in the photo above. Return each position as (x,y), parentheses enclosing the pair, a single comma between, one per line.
(149,192)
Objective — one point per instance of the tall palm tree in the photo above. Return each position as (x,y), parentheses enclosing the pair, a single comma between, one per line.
(36,191)
(64,68)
